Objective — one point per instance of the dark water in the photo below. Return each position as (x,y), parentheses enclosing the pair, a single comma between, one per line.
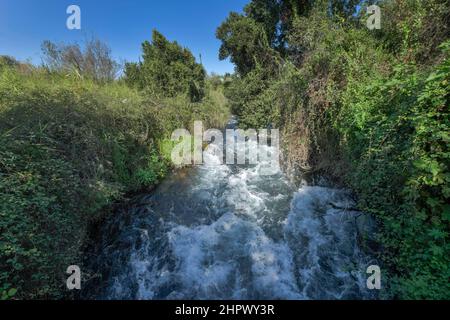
(228,232)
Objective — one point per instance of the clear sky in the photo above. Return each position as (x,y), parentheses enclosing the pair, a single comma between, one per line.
(123,24)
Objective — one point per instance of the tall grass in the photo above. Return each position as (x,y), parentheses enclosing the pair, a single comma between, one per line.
(69,148)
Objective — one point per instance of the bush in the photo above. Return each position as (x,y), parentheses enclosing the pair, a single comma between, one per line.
(397,137)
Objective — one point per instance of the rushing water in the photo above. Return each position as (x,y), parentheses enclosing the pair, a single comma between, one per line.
(228,232)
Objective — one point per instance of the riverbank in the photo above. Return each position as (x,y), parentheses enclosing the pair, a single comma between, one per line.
(71,147)
(229,232)
(366,108)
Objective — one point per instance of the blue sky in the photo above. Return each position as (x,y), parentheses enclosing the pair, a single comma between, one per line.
(124,25)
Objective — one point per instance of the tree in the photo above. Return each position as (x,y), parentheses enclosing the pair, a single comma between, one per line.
(94,62)
(266,13)
(167,70)
(244,41)
(259,36)
(8,61)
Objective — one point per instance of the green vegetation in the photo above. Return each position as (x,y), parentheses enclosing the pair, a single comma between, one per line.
(367,108)
(72,141)
(167,70)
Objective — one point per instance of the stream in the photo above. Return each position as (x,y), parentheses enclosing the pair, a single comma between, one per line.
(228,232)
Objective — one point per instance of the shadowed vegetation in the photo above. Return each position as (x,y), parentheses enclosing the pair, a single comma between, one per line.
(367,108)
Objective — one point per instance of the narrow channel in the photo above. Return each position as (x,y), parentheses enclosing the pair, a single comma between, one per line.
(228,232)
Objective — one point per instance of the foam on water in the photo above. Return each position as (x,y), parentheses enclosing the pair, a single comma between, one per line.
(324,243)
(256,237)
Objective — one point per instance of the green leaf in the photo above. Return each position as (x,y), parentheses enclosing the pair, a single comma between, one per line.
(12,292)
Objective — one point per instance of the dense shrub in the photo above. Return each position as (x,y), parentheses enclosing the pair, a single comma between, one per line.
(370,110)
(69,147)
(396,133)
(167,70)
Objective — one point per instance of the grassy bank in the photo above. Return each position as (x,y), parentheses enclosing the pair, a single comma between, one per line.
(69,147)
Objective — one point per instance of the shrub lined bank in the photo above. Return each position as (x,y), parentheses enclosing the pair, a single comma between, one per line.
(368,108)
(70,146)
